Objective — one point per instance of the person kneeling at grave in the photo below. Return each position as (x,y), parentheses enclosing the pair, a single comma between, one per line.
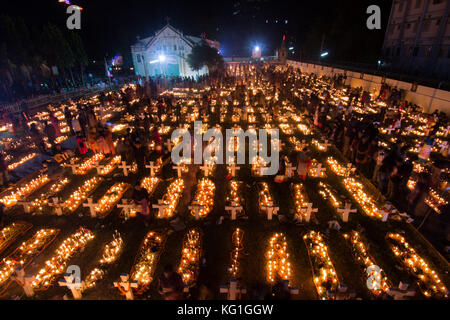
(140,197)
(170,284)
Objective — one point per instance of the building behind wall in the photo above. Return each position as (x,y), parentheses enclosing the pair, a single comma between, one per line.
(417,39)
(165,53)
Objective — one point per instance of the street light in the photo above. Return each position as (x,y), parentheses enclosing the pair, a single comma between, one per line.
(162,58)
(257,48)
(324,54)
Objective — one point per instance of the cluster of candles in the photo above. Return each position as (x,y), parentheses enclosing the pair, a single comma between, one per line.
(327,193)
(14,165)
(324,275)
(87,165)
(24,254)
(298,146)
(110,198)
(190,257)
(257,164)
(205,197)
(304,129)
(313,170)
(427,278)
(11,199)
(435,201)
(278,265)
(110,254)
(365,201)
(11,232)
(234,194)
(150,184)
(111,165)
(57,264)
(336,167)
(320,146)
(236,254)
(172,197)
(265,198)
(76,198)
(286,129)
(300,197)
(41,201)
(379,282)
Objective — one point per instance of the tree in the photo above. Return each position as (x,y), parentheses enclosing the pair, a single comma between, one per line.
(80,56)
(204,55)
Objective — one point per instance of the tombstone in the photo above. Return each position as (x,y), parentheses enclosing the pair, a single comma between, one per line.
(196,208)
(57,205)
(91,206)
(160,206)
(233,169)
(125,168)
(70,282)
(25,281)
(291,290)
(234,209)
(307,211)
(152,168)
(232,290)
(26,205)
(179,169)
(346,211)
(401,292)
(270,210)
(390,129)
(125,286)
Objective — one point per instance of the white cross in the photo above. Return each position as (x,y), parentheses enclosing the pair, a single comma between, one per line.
(346,211)
(125,168)
(162,128)
(126,285)
(25,281)
(206,169)
(57,205)
(326,144)
(409,129)
(390,129)
(350,168)
(444,146)
(307,211)
(196,207)
(152,168)
(72,165)
(99,168)
(26,205)
(318,170)
(270,209)
(92,206)
(290,170)
(384,213)
(169,144)
(233,169)
(127,206)
(292,290)
(446,131)
(75,285)
(232,290)
(179,168)
(161,206)
(233,208)
(401,292)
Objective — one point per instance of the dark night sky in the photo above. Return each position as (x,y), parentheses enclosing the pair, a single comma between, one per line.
(109,27)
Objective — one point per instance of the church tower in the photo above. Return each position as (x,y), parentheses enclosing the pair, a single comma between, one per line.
(282,56)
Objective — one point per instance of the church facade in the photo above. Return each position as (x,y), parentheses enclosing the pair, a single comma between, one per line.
(165,53)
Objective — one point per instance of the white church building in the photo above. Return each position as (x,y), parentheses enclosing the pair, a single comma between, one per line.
(165,54)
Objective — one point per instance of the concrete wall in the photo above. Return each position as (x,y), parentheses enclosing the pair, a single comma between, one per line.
(428,98)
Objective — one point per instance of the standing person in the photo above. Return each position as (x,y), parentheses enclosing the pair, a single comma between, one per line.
(55,124)
(68,116)
(93,141)
(109,140)
(50,132)
(157,139)
(425,150)
(81,142)
(303,163)
(75,126)
(3,170)
(140,197)
(37,138)
(139,154)
(170,284)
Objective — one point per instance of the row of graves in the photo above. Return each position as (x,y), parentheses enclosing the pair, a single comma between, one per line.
(225,226)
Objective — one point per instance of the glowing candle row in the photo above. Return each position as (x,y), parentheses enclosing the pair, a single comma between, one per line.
(278,264)
(89,164)
(9,233)
(435,201)
(11,199)
(110,198)
(14,165)
(236,253)
(327,193)
(172,197)
(111,165)
(23,255)
(57,264)
(190,257)
(76,198)
(150,184)
(336,167)
(42,200)
(300,198)
(265,198)
(427,279)
(377,281)
(111,253)
(205,197)
(368,204)
(234,192)
(324,275)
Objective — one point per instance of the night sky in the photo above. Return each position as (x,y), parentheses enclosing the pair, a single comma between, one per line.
(110,27)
